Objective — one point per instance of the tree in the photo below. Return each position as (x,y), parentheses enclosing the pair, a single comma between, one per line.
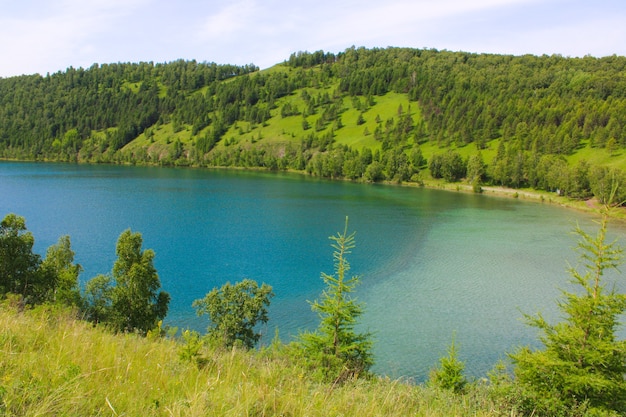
(19,266)
(475,170)
(435,165)
(98,299)
(582,363)
(22,272)
(452,167)
(374,172)
(449,374)
(60,268)
(601,180)
(417,158)
(137,304)
(611,146)
(578,181)
(130,299)
(234,312)
(499,168)
(335,349)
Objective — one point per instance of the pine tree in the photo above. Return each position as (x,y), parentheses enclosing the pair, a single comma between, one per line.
(335,349)
(583,363)
(449,374)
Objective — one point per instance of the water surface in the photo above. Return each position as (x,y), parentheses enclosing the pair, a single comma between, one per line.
(434,264)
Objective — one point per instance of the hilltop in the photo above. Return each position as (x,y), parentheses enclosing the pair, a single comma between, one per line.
(396,114)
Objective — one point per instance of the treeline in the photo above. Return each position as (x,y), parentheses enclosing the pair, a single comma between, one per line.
(126,300)
(536,109)
(55,115)
(548,103)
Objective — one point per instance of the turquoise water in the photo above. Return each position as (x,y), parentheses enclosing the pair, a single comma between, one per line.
(433,263)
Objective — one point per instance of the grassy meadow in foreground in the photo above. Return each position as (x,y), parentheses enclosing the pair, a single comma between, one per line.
(53,364)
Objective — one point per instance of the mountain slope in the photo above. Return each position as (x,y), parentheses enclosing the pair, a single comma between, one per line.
(393,114)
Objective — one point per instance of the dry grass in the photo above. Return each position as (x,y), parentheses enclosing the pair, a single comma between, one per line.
(54,365)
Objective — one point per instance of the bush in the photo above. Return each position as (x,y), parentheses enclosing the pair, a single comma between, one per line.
(234,311)
(449,374)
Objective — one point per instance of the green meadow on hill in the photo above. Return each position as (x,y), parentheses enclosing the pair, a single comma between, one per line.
(401,115)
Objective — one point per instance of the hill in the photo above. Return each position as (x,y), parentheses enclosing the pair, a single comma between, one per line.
(396,114)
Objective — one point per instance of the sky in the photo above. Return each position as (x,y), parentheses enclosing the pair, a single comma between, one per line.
(46,36)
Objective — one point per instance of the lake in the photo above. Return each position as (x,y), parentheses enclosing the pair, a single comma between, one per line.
(435,265)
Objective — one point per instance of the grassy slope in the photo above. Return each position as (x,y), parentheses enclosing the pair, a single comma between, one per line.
(597,156)
(52,364)
(280,131)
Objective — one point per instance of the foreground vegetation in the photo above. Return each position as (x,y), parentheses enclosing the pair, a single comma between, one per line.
(54,364)
(78,357)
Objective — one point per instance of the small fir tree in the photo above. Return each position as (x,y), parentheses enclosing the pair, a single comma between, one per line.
(449,374)
(583,363)
(335,349)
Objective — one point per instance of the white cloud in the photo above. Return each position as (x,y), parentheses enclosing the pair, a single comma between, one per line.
(600,37)
(334,26)
(61,38)
(42,36)
(229,20)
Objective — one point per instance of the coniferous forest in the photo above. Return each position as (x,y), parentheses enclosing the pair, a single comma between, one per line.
(403,115)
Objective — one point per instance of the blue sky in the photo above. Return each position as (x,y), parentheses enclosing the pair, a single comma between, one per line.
(40,36)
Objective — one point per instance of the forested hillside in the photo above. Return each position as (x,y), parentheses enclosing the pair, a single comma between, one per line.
(395,114)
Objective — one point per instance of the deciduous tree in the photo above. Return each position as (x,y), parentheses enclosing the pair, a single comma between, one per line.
(59,267)
(137,303)
(128,300)
(475,170)
(19,266)
(234,312)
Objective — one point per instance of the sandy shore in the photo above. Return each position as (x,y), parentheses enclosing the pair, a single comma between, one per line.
(591,206)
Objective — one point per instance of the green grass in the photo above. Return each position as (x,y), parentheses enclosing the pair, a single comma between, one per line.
(281,131)
(599,156)
(158,141)
(53,364)
(385,107)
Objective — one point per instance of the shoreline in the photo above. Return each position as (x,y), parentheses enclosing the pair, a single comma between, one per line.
(590,206)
